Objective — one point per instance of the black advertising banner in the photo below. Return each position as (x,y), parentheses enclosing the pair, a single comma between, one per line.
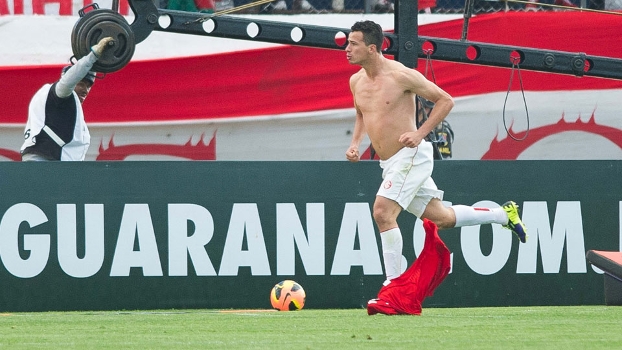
(147,235)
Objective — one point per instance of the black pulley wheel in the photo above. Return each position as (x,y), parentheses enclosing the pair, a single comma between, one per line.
(96,25)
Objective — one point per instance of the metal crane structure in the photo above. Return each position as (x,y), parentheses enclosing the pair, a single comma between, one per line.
(404,43)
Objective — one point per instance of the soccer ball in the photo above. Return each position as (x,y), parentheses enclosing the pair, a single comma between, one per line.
(287,296)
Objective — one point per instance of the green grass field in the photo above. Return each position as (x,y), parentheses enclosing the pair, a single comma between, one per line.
(573,327)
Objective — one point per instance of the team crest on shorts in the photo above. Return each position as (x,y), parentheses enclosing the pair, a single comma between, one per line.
(387,184)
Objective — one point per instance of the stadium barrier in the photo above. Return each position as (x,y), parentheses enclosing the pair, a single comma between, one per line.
(160,235)
(611,264)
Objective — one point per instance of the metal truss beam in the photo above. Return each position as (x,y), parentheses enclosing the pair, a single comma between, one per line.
(405,44)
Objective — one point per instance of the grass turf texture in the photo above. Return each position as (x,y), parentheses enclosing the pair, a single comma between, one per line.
(573,327)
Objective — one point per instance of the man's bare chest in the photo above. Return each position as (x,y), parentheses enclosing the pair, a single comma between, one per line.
(380,96)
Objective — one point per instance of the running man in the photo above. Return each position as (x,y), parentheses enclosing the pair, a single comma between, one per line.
(384,94)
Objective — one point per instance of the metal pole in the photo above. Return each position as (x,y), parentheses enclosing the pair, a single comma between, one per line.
(407,31)
(468,12)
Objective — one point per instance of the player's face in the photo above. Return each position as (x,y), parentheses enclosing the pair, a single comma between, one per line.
(82,89)
(356,51)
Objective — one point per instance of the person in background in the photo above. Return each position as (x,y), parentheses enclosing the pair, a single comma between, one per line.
(182,5)
(205,6)
(442,136)
(384,93)
(56,129)
(295,6)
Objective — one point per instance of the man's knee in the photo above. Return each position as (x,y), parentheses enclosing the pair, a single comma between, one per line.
(381,214)
(442,216)
(444,223)
(385,211)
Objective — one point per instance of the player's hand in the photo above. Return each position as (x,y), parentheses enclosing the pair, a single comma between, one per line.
(102,45)
(410,139)
(352,154)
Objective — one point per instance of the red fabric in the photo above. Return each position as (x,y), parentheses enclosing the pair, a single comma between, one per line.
(288,79)
(4,7)
(507,148)
(240,84)
(423,4)
(405,294)
(205,4)
(546,30)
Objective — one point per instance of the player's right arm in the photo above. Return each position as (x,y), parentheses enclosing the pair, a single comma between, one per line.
(352,154)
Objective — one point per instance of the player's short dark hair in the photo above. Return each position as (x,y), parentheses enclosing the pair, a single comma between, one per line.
(372,33)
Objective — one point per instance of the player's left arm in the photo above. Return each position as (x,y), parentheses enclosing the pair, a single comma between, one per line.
(416,83)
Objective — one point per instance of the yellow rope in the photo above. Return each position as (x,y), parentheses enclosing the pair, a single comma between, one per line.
(242,7)
(233,9)
(565,7)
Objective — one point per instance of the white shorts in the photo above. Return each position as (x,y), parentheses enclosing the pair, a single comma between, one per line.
(407,178)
